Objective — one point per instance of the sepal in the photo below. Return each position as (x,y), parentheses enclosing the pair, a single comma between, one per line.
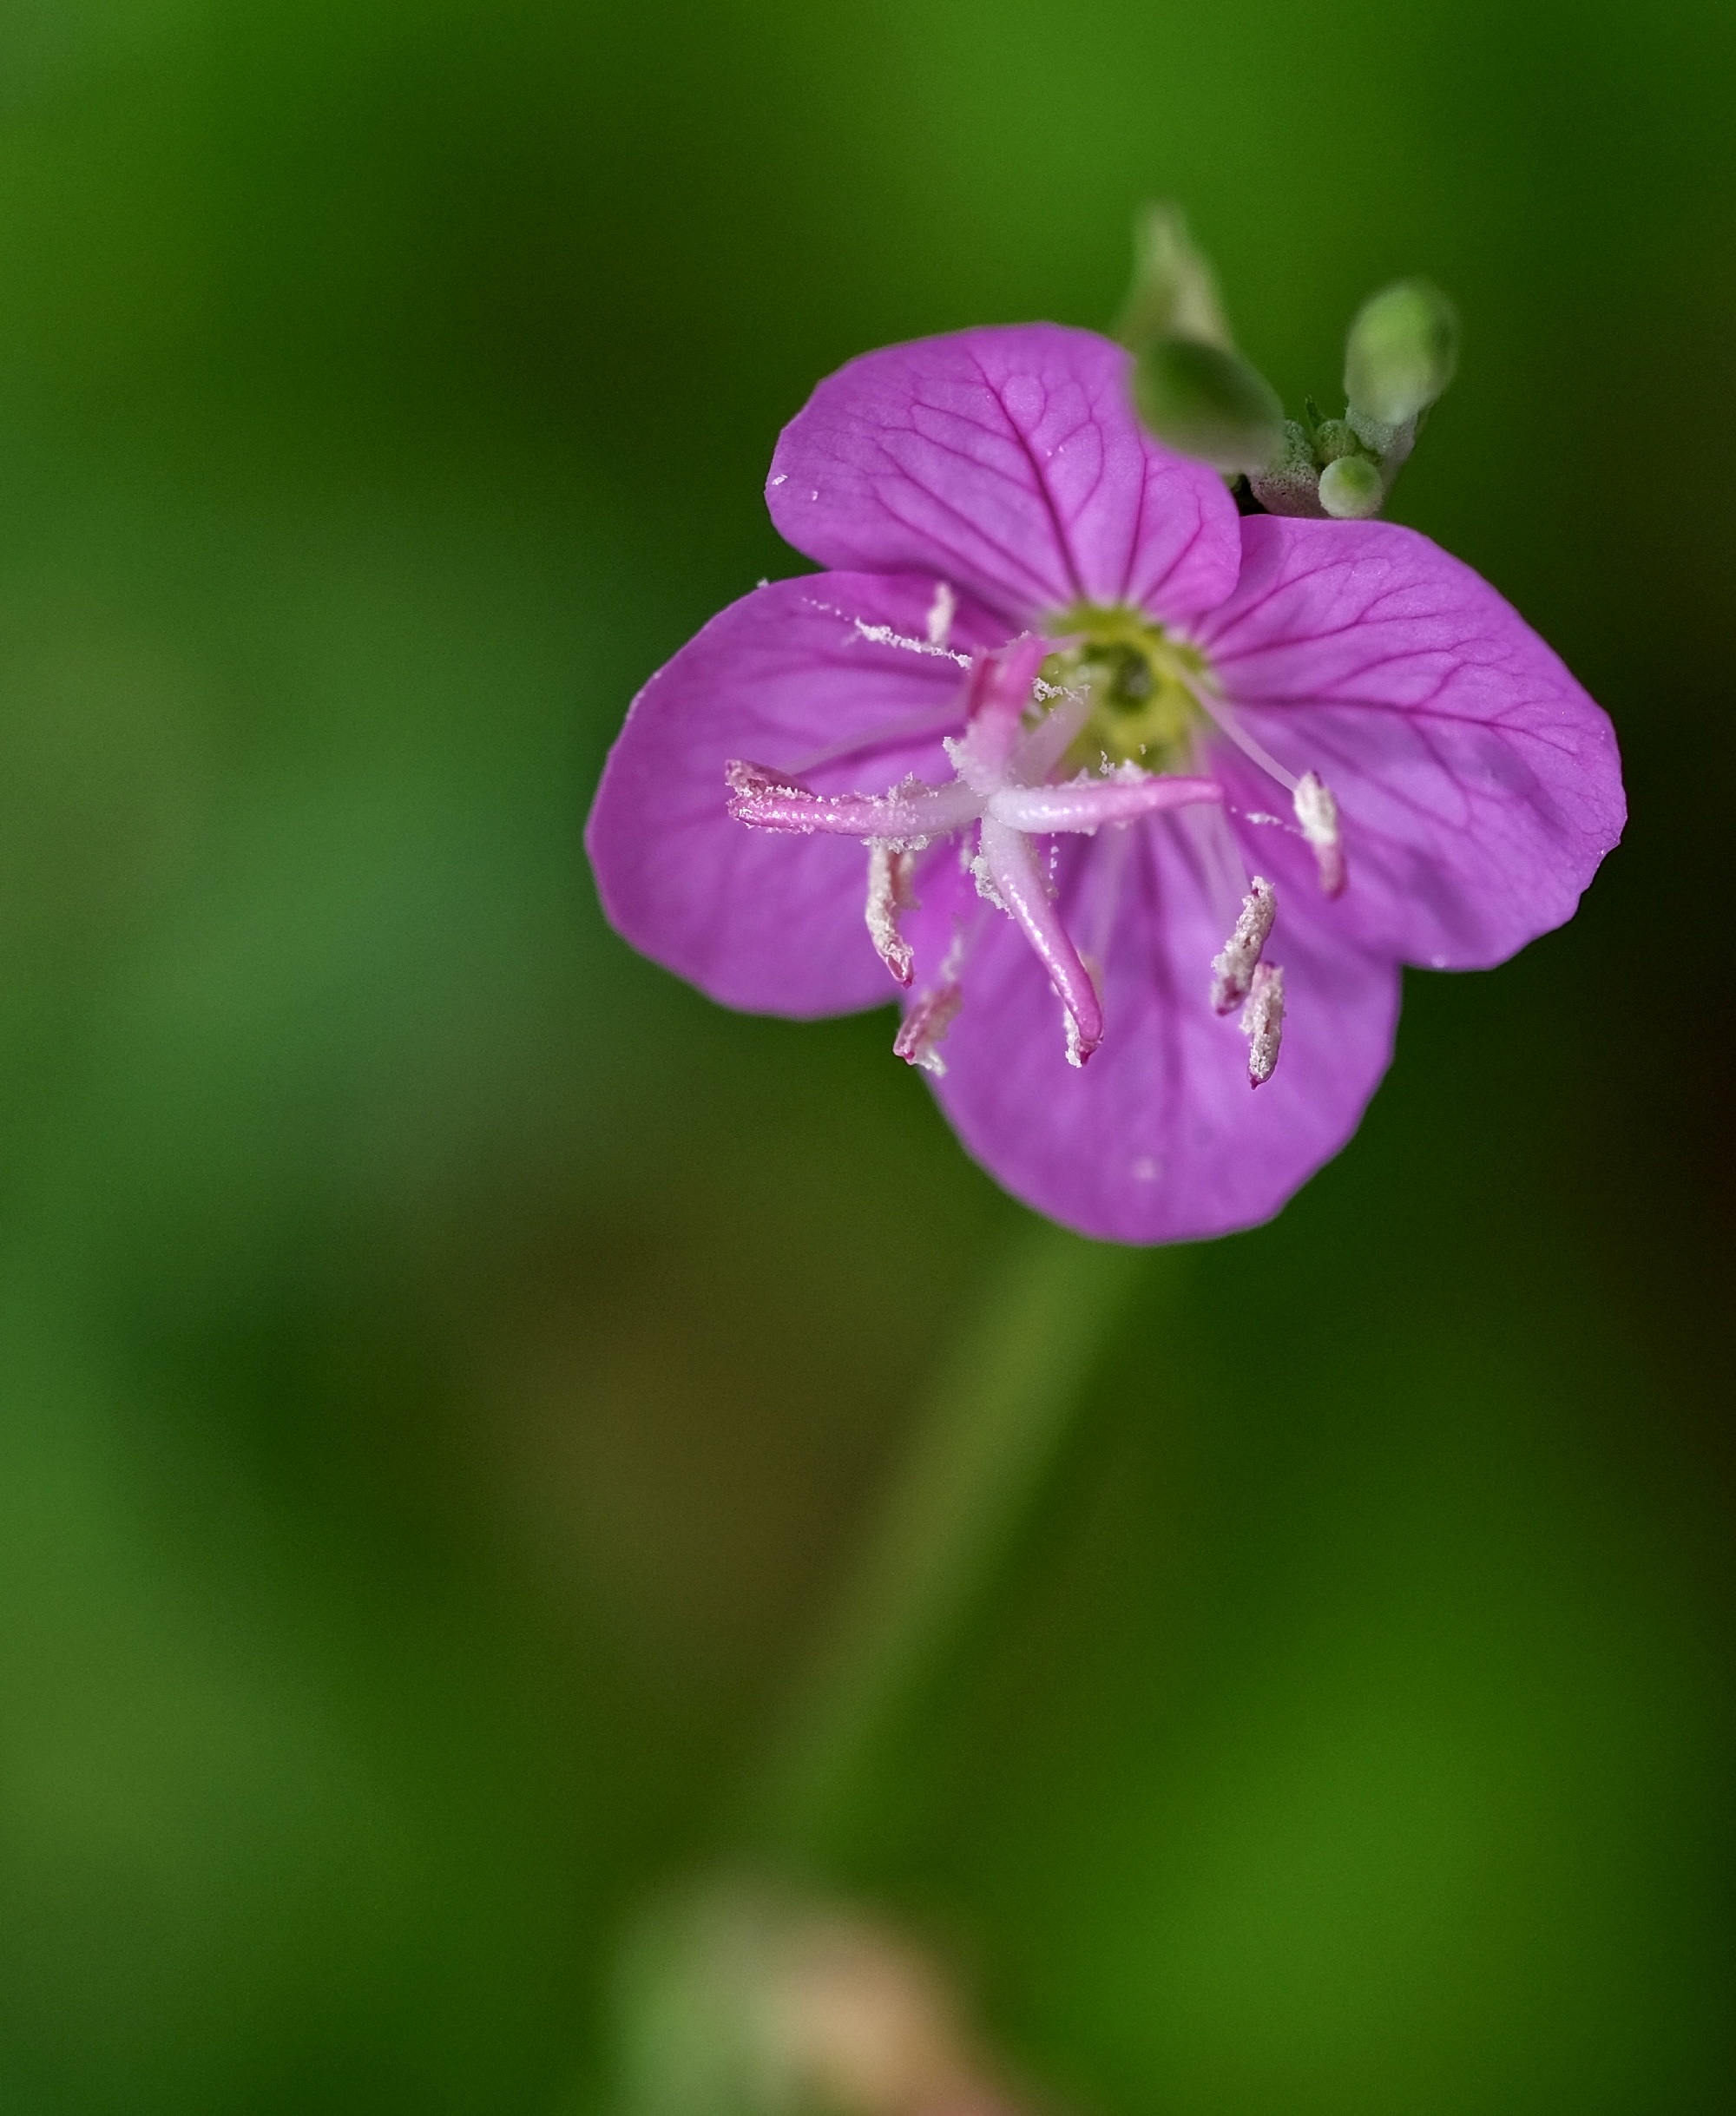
(1402,352)
(1191,386)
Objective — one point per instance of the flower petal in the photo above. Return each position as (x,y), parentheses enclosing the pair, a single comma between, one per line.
(1010,461)
(830,676)
(1160,1138)
(1477,784)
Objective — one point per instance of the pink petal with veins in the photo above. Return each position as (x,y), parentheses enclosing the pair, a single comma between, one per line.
(1478,785)
(1010,462)
(822,666)
(1158,1138)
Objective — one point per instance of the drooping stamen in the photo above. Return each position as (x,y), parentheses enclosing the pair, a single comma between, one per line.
(1318,813)
(926,1025)
(1233,972)
(1087,803)
(1262,1022)
(891,876)
(1021,888)
(1316,810)
(909,815)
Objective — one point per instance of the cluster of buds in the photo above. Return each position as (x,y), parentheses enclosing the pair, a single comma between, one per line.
(1198,392)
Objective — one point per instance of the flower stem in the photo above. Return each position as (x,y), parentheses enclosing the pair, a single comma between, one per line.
(993,1422)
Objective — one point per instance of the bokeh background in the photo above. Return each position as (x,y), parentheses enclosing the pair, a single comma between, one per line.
(445,1367)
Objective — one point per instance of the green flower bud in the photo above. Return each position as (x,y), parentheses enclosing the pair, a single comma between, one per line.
(1336,437)
(1174,291)
(1209,403)
(1403,348)
(1351,489)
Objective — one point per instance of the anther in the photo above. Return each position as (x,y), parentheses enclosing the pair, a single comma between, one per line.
(941,612)
(892,873)
(925,1025)
(1262,1022)
(975,865)
(1318,813)
(1233,972)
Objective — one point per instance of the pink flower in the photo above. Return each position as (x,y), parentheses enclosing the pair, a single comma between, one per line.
(1115,755)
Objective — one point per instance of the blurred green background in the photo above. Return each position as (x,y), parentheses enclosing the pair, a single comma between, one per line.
(443,1364)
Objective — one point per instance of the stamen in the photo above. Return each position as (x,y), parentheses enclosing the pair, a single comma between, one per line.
(1233,972)
(1262,1022)
(1318,813)
(975,865)
(1218,710)
(892,873)
(926,1025)
(941,612)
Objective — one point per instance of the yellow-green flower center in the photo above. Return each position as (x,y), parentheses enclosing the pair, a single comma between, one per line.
(1141,683)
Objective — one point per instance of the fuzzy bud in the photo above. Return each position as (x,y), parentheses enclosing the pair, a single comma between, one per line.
(1336,437)
(1351,489)
(1208,402)
(1402,352)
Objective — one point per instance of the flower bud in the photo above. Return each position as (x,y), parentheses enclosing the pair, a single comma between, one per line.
(1208,403)
(1350,489)
(1401,350)
(1336,437)
(1174,291)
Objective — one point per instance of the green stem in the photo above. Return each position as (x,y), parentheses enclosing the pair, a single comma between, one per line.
(994,1421)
